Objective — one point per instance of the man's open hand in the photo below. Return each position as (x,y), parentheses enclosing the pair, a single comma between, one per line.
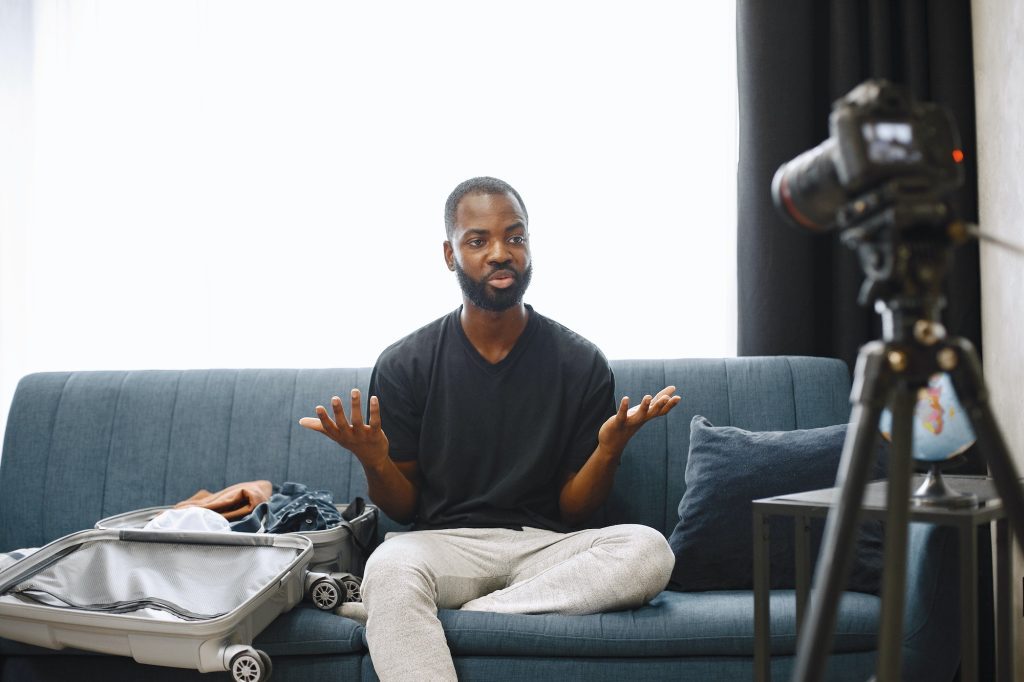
(621,426)
(366,441)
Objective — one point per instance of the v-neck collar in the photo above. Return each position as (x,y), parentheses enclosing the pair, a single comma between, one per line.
(508,360)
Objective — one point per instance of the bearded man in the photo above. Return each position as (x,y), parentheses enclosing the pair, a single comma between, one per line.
(494,431)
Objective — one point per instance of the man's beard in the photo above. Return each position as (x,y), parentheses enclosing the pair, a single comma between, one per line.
(490,298)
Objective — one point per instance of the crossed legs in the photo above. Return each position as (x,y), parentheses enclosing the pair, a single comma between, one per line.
(411,575)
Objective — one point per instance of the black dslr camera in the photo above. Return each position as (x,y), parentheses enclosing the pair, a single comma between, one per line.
(881,144)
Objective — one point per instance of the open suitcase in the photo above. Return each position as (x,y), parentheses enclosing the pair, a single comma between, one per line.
(341,550)
(179,599)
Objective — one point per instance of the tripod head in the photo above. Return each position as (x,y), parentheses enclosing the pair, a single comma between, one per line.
(901,232)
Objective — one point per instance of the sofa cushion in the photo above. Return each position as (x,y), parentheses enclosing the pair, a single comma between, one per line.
(729,467)
(673,624)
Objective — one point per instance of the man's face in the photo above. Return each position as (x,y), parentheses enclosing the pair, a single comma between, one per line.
(489,251)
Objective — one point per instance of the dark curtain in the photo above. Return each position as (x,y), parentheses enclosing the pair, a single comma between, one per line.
(798,290)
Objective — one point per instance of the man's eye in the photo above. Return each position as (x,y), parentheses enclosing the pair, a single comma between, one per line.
(518,239)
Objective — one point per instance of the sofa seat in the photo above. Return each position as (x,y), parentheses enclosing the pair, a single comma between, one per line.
(674,624)
(307,631)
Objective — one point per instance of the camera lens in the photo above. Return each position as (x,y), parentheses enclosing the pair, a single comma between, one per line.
(807,191)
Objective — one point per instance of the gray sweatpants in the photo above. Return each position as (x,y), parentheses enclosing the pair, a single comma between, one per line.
(411,575)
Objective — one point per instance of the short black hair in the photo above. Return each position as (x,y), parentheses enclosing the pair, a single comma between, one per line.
(480,185)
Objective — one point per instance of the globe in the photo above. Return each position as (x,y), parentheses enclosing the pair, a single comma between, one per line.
(941,428)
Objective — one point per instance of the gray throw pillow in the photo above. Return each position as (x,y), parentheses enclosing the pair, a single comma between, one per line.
(729,467)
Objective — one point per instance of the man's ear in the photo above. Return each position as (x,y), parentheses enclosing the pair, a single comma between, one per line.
(449,255)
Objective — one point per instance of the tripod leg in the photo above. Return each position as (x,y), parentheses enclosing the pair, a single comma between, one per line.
(870,390)
(970,389)
(890,637)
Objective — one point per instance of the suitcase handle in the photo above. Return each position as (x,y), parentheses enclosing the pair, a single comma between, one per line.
(196,537)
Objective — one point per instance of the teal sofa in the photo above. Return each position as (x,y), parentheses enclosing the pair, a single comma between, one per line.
(81,446)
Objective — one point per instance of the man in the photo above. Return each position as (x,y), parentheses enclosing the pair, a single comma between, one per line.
(501,436)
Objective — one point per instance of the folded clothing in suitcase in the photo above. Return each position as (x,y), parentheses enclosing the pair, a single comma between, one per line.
(180,599)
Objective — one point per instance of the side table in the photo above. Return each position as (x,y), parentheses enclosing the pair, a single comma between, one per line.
(816,503)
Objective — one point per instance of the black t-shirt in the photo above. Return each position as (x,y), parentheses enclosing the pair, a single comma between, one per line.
(493,442)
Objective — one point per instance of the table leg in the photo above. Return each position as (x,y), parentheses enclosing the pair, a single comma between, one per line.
(802,539)
(1004,596)
(968,602)
(762,620)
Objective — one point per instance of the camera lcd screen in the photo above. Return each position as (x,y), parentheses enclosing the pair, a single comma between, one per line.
(891,142)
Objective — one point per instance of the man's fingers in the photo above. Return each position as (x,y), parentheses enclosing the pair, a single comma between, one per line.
(339,412)
(327,424)
(346,431)
(667,391)
(374,412)
(312,423)
(641,409)
(664,405)
(623,409)
(357,409)
(645,406)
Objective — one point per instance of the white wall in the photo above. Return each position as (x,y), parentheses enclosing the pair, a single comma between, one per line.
(15,158)
(999,65)
(243,183)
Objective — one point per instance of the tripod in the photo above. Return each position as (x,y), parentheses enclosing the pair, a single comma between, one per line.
(905,256)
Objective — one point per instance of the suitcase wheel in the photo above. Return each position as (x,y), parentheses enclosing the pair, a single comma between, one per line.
(251,666)
(351,583)
(327,593)
(266,663)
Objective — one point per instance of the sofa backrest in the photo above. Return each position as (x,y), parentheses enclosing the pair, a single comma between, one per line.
(81,446)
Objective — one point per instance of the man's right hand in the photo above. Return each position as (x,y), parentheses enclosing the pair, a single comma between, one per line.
(392,486)
(366,441)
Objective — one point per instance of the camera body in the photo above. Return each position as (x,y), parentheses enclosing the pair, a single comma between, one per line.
(878,134)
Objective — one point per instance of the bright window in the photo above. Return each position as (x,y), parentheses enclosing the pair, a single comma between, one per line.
(254,184)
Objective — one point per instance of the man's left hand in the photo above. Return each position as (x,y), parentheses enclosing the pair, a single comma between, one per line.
(621,426)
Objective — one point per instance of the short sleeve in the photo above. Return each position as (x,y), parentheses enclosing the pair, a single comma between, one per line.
(598,404)
(400,417)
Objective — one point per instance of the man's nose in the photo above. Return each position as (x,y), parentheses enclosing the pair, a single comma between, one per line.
(499,252)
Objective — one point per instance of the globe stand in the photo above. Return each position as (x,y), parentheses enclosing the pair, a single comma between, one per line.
(935,493)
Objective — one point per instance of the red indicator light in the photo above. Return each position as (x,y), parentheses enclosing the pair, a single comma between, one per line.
(958,155)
